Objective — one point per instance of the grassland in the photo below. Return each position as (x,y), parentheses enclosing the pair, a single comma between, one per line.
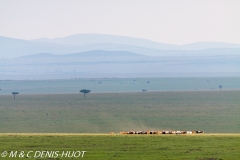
(211,111)
(167,147)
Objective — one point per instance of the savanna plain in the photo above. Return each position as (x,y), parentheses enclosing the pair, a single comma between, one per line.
(62,122)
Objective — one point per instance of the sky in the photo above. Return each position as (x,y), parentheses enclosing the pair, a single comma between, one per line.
(166,21)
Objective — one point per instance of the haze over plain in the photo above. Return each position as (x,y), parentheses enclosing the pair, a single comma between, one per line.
(147,38)
(127,45)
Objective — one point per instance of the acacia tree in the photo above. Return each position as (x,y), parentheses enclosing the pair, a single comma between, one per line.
(220,87)
(85,91)
(14,94)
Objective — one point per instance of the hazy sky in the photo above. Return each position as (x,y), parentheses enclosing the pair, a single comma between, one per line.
(167,21)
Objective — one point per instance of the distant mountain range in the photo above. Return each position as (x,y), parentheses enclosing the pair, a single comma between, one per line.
(88,42)
(96,55)
(87,39)
(93,53)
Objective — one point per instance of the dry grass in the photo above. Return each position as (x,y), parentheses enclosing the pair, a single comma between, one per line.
(211,111)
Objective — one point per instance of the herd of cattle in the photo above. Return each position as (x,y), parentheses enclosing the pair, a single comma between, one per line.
(161,132)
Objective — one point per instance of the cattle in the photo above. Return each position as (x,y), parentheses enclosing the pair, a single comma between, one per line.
(138,132)
(166,132)
(153,132)
(161,132)
(186,132)
(178,132)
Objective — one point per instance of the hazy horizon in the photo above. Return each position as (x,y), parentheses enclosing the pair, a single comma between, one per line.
(171,22)
(39,38)
(167,32)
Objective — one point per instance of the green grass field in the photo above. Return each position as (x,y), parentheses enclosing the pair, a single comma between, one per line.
(211,111)
(167,147)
